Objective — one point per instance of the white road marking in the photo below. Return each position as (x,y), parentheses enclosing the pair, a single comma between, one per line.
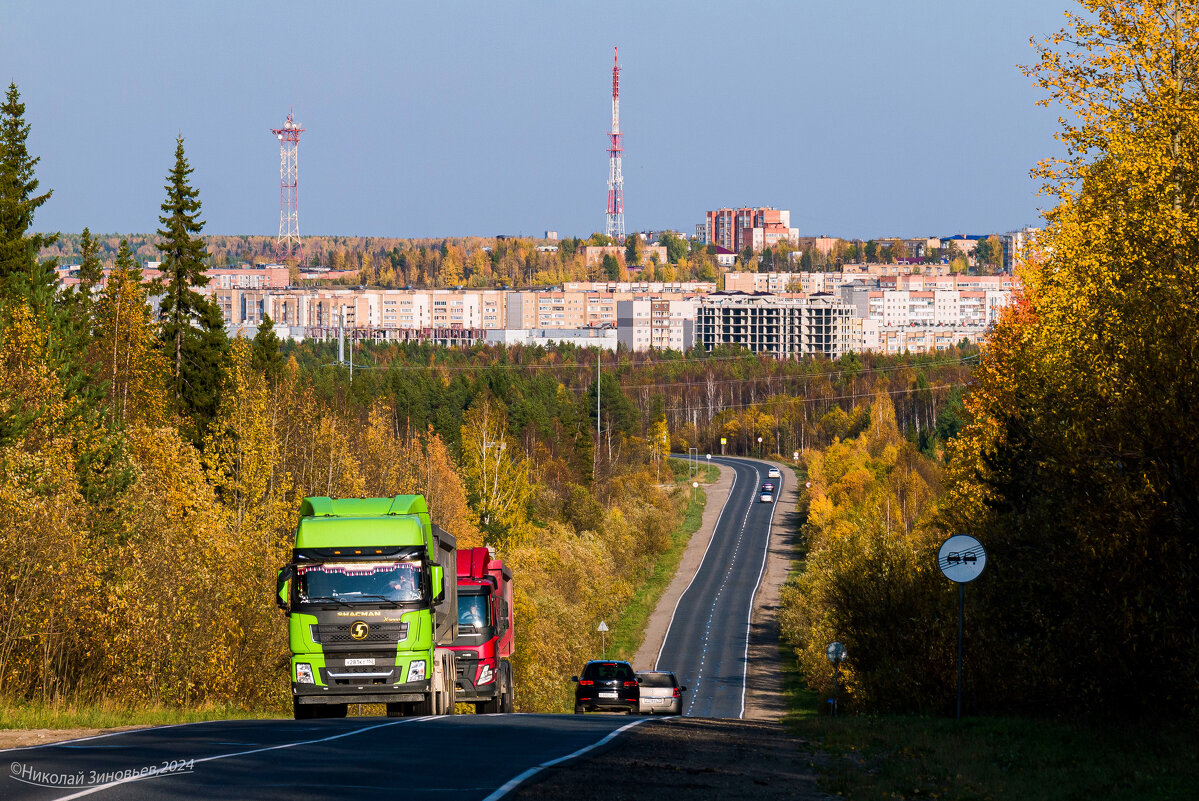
(750,617)
(515,782)
(113,734)
(712,539)
(703,657)
(131,779)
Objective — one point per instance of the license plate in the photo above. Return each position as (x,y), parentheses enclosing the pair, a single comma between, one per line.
(608,695)
(360,662)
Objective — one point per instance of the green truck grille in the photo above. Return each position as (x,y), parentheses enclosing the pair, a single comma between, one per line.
(338,634)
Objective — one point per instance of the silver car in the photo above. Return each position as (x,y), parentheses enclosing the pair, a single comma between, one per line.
(660,692)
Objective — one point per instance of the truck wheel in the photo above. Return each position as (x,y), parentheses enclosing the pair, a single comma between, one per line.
(506,703)
(334,710)
(451,699)
(302,711)
(426,706)
(488,707)
(578,709)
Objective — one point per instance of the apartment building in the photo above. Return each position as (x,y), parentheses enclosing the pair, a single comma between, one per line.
(735,229)
(643,287)
(656,324)
(603,337)
(783,326)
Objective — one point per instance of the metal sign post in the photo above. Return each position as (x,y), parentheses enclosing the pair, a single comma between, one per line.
(836,654)
(962,559)
(602,628)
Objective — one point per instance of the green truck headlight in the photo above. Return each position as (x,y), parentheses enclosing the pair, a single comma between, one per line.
(416,670)
(304,673)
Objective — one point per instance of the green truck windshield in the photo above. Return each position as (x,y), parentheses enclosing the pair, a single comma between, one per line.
(358,582)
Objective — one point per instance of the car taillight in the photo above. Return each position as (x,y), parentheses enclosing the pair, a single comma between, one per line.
(586,682)
(677,694)
(630,684)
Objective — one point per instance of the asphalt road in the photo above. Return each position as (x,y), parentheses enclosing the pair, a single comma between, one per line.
(458,757)
(707,643)
(467,756)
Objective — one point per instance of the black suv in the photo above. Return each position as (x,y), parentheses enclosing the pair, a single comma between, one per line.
(607,685)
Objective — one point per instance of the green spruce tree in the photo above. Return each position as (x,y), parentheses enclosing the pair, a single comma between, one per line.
(266,353)
(91,273)
(21,275)
(193,332)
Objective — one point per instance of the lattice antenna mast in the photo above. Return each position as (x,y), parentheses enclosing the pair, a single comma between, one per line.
(288,244)
(615,220)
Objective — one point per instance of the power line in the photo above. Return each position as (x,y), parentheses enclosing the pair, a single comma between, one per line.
(794,399)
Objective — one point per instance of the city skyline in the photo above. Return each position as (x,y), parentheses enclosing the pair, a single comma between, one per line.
(872,121)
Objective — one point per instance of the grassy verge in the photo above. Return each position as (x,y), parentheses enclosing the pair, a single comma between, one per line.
(869,757)
(108,714)
(893,756)
(628,631)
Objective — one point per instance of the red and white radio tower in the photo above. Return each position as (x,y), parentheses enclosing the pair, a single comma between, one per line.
(615,226)
(288,244)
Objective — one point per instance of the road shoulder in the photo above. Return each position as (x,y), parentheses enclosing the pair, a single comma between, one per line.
(659,621)
(688,758)
(764,692)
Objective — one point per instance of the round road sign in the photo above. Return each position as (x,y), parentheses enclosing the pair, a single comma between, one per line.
(962,558)
(836,652)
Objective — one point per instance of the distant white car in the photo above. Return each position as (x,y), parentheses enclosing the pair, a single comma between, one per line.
(774,473)
(767,497)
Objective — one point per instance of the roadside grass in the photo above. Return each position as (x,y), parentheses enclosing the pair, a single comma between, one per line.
(895,756)
(628,630)
(876,757)
(107,714)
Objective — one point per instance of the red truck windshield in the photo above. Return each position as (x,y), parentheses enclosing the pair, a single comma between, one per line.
(472,612)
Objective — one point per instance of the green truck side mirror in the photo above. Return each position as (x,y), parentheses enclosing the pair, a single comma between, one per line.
(283,587)
(438,579)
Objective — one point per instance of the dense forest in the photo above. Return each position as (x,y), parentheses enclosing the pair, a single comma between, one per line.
(151,469)
(1075,459)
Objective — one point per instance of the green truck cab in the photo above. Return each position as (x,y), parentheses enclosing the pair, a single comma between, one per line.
(371,602)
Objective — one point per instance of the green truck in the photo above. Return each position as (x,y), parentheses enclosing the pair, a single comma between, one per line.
(372,604)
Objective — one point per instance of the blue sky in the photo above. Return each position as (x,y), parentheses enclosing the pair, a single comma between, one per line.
(864,117)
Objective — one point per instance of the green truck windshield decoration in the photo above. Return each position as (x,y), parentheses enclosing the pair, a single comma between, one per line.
(371,609)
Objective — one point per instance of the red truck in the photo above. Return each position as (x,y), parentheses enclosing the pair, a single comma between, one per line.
(484,641)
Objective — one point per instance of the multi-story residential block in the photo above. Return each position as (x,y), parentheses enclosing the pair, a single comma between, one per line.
(656,324)
(784,327)
(603,337)
(758,228)
(656,287)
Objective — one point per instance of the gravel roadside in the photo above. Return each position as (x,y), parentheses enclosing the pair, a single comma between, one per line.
(681,759)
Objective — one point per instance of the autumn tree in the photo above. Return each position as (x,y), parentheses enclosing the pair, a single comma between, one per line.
(496,475)
(1079,463)
(134,373)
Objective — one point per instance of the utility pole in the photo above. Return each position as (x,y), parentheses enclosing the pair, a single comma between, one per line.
(341,335)
(599,388)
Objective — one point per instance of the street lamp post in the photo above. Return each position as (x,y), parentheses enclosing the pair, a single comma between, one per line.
(759,447)
(694,490)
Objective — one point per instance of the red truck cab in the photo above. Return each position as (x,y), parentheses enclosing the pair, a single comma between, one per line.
(484,642)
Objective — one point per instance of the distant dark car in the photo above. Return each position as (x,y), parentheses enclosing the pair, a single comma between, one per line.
(606,686)
(768,487)
(660,692)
